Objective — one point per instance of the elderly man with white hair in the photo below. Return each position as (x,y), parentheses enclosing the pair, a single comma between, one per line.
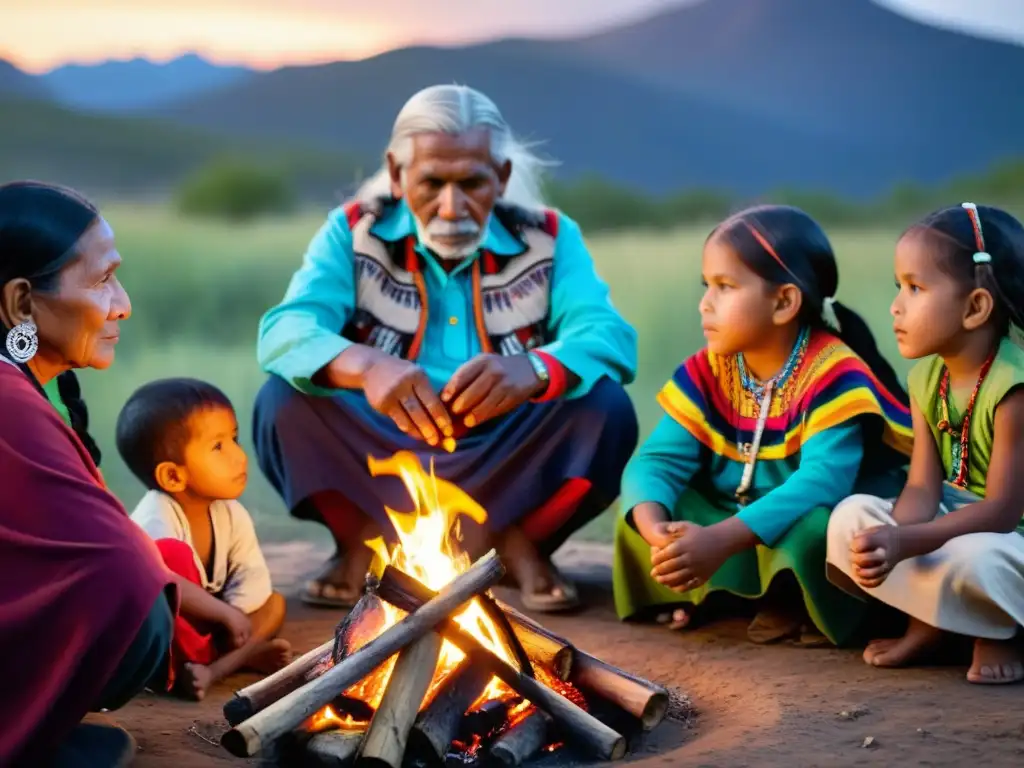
(446,305)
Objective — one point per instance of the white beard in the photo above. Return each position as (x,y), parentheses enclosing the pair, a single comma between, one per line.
(426,233)
(439,227)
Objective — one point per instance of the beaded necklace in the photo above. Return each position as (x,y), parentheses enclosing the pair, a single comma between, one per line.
(960,464)
(762,393)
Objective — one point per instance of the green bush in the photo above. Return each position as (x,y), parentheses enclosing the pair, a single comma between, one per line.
(235,191)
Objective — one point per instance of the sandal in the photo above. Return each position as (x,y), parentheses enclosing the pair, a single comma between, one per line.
(325,591)
(562,596)
(771,626)
(92,745)
(811,637)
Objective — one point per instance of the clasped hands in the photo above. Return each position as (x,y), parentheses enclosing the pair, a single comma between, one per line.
(484,388)
(685,555)
(874,552)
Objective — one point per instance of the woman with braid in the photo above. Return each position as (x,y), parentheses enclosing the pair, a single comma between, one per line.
(87,607)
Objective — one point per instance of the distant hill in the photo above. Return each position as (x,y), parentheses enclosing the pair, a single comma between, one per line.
(138,84)
(744,95)
(17,84)
(126,156)
(842,67)
(593,119)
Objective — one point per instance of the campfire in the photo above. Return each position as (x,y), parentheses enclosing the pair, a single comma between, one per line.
(429,667)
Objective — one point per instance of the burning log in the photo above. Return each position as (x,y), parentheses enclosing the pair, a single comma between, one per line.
(522,740)
(542,645)
(437,725)
(258,696)
(249,737)
(250,700)
(590,734)
(389,729)
(641,698)
(334,749)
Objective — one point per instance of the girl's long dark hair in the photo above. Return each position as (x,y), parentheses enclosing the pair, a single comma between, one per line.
(40,225)
(956,240)
(783,244)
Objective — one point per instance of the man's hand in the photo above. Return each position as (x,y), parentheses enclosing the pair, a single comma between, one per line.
(489,386)
(237,626)
(874,553)
(401,391)
(690,558)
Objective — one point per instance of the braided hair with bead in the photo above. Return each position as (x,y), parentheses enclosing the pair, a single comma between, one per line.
(783,244)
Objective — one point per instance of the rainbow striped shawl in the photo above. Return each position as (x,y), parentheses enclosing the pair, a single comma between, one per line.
(829,387)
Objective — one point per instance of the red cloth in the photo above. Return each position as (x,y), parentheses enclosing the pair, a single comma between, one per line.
(191,643)
(542,523)
(79,577)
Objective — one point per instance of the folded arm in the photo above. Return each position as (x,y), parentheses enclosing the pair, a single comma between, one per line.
(300,336)
(592,340)
(920,498)
(658,475)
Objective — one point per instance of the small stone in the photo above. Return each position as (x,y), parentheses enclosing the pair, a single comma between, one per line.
(854,713)
(869,742)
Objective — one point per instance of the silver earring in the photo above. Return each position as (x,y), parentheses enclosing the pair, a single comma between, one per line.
(22,342)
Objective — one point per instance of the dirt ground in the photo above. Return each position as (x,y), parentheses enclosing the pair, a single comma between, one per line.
(756,705)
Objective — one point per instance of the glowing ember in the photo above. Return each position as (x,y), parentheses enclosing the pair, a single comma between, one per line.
(329,720)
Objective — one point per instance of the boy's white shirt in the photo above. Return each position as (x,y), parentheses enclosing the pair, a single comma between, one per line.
(240,574)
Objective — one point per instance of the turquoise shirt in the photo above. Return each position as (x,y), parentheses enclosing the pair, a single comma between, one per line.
(301,335)
(671,458)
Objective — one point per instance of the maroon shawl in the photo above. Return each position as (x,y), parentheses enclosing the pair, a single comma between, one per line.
(79,577)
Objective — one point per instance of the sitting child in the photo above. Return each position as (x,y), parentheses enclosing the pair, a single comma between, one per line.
(949,552)
(180,438)
(788,408)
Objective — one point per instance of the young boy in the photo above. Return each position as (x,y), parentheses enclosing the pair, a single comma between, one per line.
(180,438)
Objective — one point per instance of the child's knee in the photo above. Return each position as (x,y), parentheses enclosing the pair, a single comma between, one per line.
(856,513)
(270,616)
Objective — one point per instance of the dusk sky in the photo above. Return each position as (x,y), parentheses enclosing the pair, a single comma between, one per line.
(40,34)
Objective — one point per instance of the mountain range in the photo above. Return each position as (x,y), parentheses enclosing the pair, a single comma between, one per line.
(739,95)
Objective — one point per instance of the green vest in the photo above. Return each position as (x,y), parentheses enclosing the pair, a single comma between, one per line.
(1006,374)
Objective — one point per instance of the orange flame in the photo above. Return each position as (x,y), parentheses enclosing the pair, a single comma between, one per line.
(428,551)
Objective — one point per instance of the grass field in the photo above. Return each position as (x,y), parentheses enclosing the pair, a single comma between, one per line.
(198,290)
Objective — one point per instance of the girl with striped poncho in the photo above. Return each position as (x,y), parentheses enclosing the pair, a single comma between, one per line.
(787,411)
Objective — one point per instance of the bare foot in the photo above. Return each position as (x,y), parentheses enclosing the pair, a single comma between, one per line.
(194,681)
(678,619)
(996,662)
(898,652)
(270,656)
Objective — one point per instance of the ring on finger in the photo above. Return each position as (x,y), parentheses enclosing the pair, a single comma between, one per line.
(409,402)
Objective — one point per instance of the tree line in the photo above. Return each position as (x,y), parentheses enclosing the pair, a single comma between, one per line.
(240,190)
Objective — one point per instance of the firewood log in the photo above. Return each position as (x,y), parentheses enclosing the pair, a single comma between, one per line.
(641,698)
(589,733)
(265,727)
